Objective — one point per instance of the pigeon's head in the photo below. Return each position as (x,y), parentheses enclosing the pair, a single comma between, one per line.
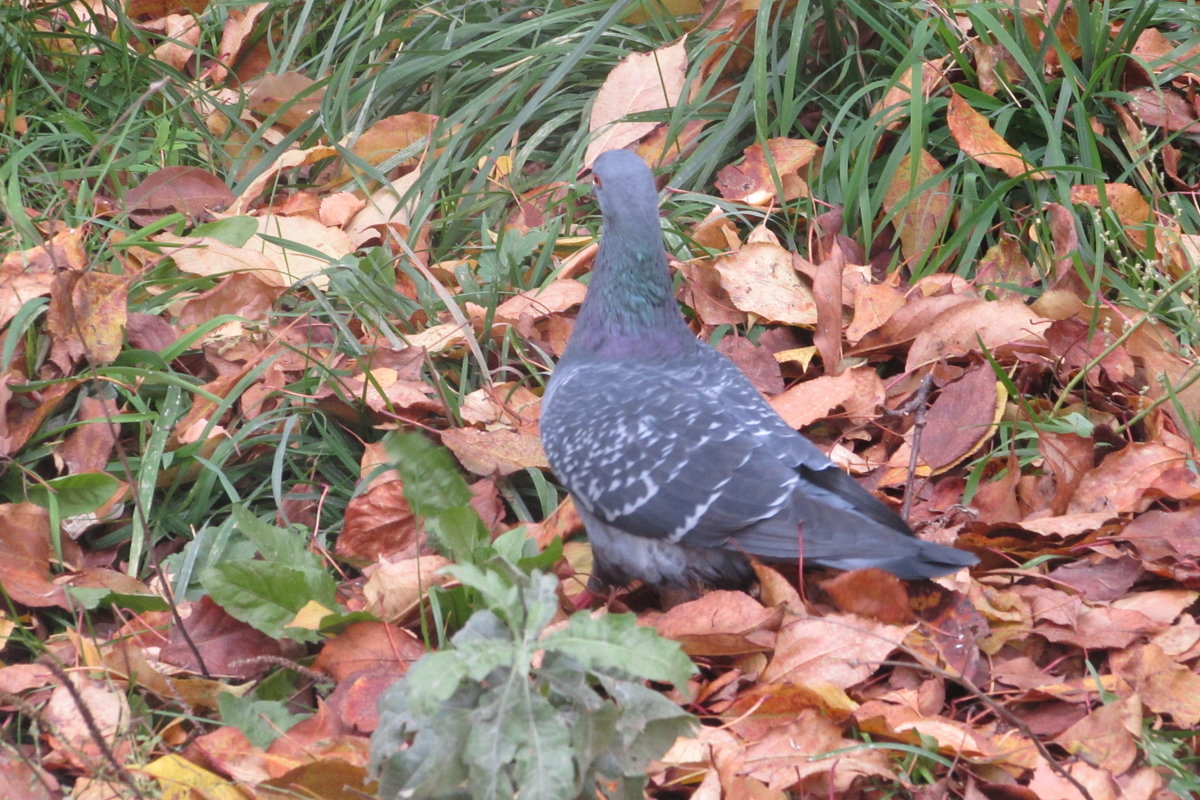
(624,186)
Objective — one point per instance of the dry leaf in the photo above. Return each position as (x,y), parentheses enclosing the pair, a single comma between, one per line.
(641,82)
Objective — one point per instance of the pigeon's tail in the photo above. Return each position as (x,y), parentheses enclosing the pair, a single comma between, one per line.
(906,558)
(850,536)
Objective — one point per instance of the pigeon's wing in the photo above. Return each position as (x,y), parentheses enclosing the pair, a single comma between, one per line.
(820,480)
(653,450)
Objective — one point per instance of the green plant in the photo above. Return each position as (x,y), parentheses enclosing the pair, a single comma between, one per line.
(513,708)
(515,703)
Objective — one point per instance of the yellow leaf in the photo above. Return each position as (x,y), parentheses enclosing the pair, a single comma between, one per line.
(179,778)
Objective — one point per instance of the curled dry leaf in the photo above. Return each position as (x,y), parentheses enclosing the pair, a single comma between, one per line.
(971,325)
(761,279)
(754,180)
(187,190)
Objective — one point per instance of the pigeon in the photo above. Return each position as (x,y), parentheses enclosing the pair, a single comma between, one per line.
(679,469)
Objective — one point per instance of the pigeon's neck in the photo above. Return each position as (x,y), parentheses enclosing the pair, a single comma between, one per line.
(630,309)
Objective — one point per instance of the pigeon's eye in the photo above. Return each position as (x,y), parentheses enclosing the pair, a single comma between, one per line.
(596,180)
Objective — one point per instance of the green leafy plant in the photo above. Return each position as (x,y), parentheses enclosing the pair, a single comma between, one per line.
(512,708)
(516,704)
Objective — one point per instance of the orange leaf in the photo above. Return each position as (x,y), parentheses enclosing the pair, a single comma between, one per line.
(975,136)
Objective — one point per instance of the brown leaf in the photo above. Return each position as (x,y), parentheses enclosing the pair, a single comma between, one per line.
(89,446)
(187,190)
(1130,206)
(641,82)
(1069,457)
(761,279)
(963,418)
(787,757)
(721,623)
(1047,782)
(871,593)
(394,588)
(893,107)
(839,649)
(1163,108)
(1162,535)
(229,647)
(327,778)
(20,779)
(292,93)
(557,297)
(73,738)
(389,136)
(367,646)
(974,135)
(1107,737)
(755,361)
(242,294)
(1132,478)
(1163,685)
(970,326)
(827,293)
(919,204)
(859,391)
(897,722)
(495,452)
(703,293)
(379,521)
(753,181)
(874,304)
(25,568)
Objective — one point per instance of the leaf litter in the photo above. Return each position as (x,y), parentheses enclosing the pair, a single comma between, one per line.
(1040,674)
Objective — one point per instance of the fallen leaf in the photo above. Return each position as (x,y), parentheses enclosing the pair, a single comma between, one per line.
(761,279)
(918,202)
(641,82)
(838,649)
(975,136)
(721,623)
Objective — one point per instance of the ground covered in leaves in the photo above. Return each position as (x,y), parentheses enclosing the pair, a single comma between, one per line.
(970,276)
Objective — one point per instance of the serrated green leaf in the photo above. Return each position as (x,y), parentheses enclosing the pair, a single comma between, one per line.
(496,591)
(262,721)
(432,679)
(458,533)
(615,642)
(275,544)
(268,595)
(432,482)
